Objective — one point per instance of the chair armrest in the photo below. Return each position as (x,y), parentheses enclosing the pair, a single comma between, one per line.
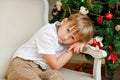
(94,52)
(97,55)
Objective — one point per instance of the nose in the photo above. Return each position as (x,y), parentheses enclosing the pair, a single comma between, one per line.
(66,37)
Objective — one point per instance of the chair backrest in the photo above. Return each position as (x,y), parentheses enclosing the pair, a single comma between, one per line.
(19,19)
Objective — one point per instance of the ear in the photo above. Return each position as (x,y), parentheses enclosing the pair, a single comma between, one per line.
(64,21)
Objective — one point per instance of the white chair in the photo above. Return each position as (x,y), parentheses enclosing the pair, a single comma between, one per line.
(97,55)
(19,19)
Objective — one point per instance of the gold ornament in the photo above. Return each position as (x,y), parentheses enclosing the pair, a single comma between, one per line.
(89,1)
(58,5)
(117,27)
(103,61)
(83,10)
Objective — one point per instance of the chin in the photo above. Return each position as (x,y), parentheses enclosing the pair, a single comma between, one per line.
(65,43)
(62,42)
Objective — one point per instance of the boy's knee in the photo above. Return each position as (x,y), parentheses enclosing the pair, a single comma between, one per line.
(54,75)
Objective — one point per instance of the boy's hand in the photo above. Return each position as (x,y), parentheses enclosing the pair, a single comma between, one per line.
(76,47)
(91,41)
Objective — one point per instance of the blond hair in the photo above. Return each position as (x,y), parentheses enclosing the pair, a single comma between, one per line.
(82,27)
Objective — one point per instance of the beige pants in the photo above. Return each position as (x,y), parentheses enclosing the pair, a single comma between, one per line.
(21,69)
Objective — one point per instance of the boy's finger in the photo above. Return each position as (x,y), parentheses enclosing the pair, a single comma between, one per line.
(70,48)
(81,48)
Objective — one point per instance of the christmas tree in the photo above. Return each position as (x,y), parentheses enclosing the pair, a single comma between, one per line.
(106,17)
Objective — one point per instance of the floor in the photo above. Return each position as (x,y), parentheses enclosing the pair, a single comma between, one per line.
(85,67)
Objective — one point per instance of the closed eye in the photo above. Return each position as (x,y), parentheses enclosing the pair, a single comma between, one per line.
(72,37)
(68,30)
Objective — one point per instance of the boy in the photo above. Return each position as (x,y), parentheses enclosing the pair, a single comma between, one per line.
(50,48)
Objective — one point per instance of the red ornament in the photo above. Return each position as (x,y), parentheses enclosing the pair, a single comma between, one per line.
(77,67)
(110,48)
(112,57)
(63,8)
(96,44)
(100,19)
(109,15)
(116,6)
(90,71)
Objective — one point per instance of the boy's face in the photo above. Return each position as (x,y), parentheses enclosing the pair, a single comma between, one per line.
(65,35)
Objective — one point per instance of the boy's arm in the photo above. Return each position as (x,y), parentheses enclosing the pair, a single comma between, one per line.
(77,47)
(57,62)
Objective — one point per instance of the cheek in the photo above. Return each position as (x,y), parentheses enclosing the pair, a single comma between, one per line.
(69,41)
(61,31)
